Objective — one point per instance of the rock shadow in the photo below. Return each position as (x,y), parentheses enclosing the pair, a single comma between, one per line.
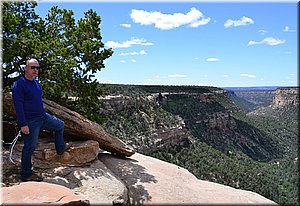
(132,174)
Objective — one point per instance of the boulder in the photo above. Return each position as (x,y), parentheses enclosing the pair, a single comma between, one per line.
(39,193)
(79,153)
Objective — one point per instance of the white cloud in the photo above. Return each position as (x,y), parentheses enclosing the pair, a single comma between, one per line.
(194,18)
(199,23)
(177,76)
(128,53)
(212,59)
(268,41)
(241,22)
(133,60)
(248,75)
(225,75)
(292,74)
(126,25)
(128,43)
(142,52)
(122,61)
(287,29)
(262,32)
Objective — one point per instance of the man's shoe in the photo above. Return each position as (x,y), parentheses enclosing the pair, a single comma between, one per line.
(68,145)
(33,177)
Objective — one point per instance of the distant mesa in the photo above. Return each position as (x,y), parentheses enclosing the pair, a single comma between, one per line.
(287,96)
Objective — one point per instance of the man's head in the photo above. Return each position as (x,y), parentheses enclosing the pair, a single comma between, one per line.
(32,69)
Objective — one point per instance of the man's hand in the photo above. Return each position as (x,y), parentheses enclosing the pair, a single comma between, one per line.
(25,130)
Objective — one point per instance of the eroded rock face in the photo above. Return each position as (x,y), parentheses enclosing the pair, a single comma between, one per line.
(223,121)
(41,193)
(201,97)
(286,96)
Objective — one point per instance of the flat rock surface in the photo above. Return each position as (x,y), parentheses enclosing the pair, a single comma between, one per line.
(152,181)
(40,193)
(99,185)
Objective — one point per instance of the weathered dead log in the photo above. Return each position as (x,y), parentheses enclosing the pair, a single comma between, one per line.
(78,126)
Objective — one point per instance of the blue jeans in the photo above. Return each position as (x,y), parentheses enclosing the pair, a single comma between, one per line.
(46,122)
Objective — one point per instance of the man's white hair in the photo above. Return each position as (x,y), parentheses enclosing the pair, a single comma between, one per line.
(31,60)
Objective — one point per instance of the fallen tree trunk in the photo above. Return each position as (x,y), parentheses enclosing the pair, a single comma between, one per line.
(78,126)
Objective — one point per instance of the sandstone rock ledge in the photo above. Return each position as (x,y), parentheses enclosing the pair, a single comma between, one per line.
(41,193)
(152,181)
(138,180)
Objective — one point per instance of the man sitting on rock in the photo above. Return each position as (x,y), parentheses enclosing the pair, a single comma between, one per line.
(27,98)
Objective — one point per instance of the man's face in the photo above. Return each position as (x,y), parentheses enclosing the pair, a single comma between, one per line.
(32,69)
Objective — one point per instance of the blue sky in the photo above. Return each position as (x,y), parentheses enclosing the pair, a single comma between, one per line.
(222,44)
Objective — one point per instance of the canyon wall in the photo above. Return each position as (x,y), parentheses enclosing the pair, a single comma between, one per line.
(286,97)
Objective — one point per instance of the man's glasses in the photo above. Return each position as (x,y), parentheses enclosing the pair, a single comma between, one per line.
(34,67)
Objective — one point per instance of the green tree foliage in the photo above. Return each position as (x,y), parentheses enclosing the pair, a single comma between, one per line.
(20,25)
(69,53)
(276,180)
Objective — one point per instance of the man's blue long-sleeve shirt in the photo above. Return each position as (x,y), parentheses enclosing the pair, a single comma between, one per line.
(27,98)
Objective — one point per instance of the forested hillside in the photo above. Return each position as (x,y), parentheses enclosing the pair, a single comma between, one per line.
(202,130)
